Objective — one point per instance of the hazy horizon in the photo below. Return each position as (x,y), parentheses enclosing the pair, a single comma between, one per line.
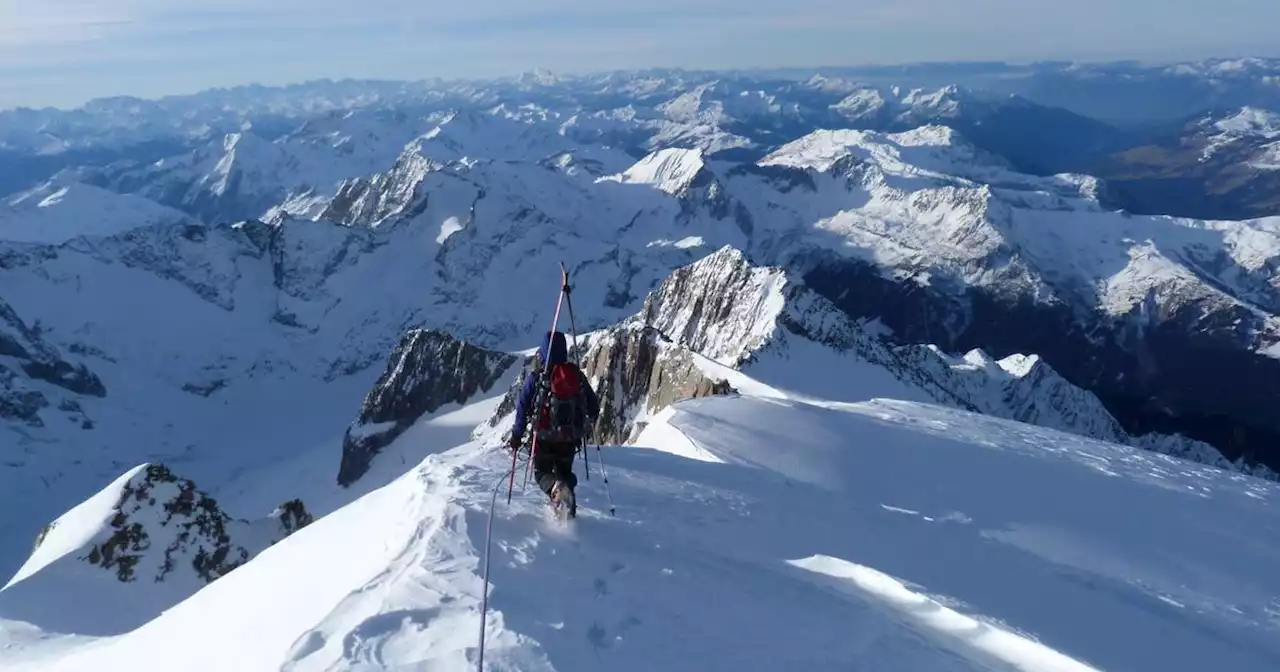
(502,75)
(65,52)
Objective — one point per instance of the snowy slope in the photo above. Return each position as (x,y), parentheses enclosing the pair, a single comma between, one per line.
(927,201)
(670,170)
(238,176)
(58,211)
(142,544)
(1251,121)
(1256,131)
(728,314)
(408,592)
(953,551)
(1221,165)
(175,325)
(240,355)
(243,176)
(727,311)
(261,311)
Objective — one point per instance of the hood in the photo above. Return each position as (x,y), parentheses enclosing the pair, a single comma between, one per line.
(559,349)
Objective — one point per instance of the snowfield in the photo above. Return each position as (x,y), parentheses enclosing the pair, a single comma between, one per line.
(880,534)
(55,213)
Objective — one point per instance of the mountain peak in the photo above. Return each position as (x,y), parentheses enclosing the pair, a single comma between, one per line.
(672,170)
(929,135)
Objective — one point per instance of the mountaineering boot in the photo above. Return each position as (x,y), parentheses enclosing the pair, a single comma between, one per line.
(563,501)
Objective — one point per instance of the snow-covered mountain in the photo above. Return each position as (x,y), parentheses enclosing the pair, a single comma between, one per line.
(721,315)
(155,537)
(1222,165)
(242,175)
(741,113)
(945,243)
(718,533)
(427,371)
(37,386)
(1035,138)
(60,210)
(936,337)
(267,411)
(953,249)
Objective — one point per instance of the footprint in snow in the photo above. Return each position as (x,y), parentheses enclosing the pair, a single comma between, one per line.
(598,636)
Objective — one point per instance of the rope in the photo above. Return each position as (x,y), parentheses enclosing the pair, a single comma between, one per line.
(488,544)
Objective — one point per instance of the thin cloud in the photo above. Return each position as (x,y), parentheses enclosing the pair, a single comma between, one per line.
(24,23)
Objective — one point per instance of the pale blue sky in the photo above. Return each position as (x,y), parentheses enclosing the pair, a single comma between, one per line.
(62,52)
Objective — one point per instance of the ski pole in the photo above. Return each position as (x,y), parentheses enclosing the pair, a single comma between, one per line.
(605,474)
(512,485)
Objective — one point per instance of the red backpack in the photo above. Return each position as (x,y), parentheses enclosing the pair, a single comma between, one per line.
(563,418)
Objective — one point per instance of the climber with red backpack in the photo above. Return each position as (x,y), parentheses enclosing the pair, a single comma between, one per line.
(566,408)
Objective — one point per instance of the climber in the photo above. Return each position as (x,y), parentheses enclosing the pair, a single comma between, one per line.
(568,407)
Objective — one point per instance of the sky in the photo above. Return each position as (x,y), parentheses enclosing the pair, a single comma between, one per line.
(64,52)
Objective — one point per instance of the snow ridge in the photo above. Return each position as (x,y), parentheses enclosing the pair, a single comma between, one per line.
(742,330)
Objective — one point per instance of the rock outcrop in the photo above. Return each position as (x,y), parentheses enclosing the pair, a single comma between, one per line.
(737,313)
(426,371)
(40,360)
(18,401)
(724,311)
(636,372)
(1027,389)
(26,361)
(164,524)
(1018,387)
(636,375)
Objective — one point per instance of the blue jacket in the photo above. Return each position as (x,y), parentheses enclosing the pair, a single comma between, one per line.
(559,354)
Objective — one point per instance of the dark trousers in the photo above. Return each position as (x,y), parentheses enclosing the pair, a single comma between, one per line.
(554,462)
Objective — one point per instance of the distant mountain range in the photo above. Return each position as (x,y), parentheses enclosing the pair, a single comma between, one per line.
(1224,165)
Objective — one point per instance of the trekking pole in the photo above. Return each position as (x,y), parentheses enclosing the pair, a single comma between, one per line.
(605,474)
(512,485)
